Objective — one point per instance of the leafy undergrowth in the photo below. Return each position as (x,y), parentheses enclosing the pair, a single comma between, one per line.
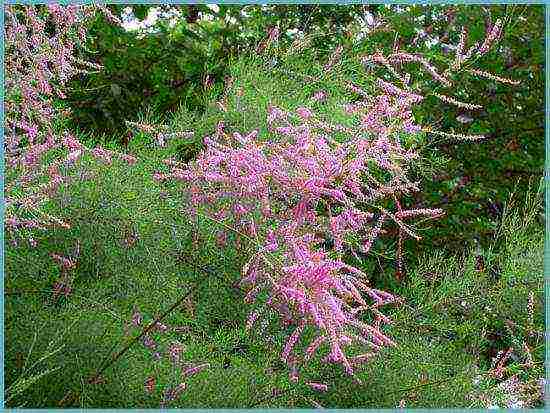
(137,254)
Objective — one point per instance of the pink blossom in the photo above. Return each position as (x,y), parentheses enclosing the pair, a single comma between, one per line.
(271,239)
(319,96)
(136,319)
(318,386)
(304,113)
(292,341)
(131,160)
(194,370)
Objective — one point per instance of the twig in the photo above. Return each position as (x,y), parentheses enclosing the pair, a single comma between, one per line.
(106,365)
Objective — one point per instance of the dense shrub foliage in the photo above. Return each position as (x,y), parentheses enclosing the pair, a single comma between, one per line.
(302,167)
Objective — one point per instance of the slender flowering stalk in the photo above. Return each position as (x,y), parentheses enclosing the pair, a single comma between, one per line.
(491,37)
(194,370)
(334,58)
(458,136)
(457,103)
(461,47)
(41,55)
(496,78)
(318,386)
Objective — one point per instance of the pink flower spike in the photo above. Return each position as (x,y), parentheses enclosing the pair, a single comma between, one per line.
(292,341)
(294,376)
(271,239)
(131,160)
(318,386)
(313,347)
(158,177)
(319,96)
(194,370)
(304,113)
(74,156)
(136,319)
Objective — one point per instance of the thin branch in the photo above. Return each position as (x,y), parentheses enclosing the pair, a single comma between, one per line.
(107,364)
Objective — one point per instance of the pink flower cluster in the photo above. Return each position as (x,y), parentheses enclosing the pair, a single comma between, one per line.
(396,63)
(41,45)
(304,195)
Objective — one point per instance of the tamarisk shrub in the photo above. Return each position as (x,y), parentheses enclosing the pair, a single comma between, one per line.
(41,45)
(306,182)
(312,191)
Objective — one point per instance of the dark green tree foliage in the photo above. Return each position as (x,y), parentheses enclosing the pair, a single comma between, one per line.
(475,184)
(184,63)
